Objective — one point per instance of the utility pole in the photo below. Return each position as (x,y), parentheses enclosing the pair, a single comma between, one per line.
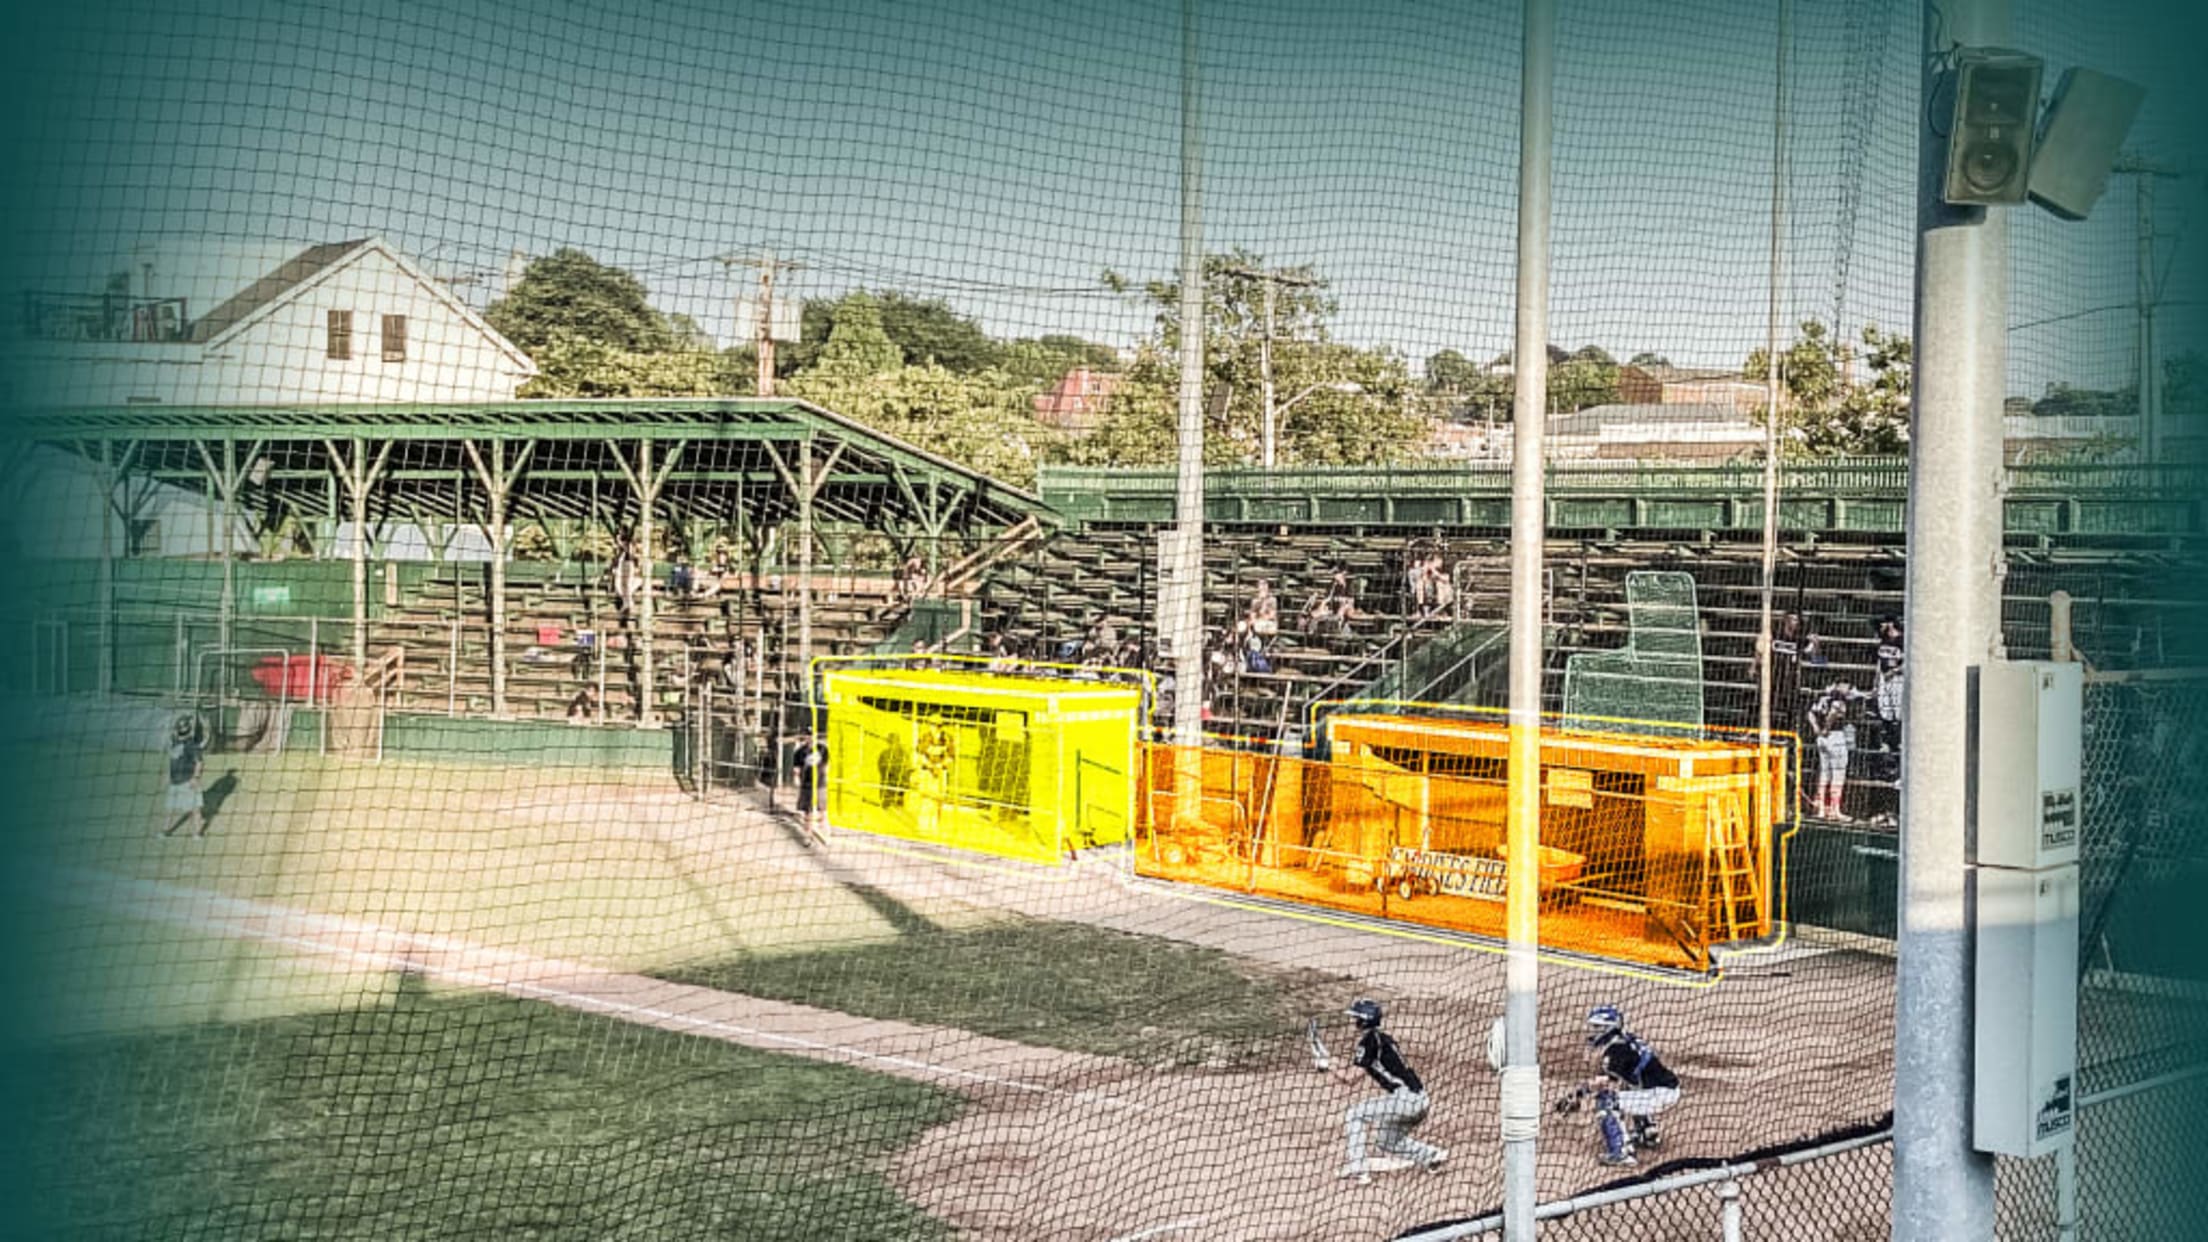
(1943,1186)
(1521,1088)
(2150,387)
(1272,280)
(762,329)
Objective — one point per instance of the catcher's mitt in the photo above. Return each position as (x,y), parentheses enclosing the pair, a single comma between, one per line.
(1571,1103)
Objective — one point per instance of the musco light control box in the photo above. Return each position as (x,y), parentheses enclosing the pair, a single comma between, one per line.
(2027,727)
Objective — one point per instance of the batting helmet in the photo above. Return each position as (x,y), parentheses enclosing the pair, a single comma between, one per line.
(1367,1013)
(1604,1023)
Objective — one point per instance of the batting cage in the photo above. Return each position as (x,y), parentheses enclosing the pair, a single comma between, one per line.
(1024,767)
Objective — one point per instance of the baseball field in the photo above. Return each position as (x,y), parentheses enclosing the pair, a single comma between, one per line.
(433,999)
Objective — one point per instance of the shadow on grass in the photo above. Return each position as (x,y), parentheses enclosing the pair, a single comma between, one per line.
(1148,999)
(443,1115)
(212,798)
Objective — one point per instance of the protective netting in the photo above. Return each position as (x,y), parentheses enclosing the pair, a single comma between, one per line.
(453,441)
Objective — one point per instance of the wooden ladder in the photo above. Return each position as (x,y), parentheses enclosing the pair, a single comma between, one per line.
(1734,884)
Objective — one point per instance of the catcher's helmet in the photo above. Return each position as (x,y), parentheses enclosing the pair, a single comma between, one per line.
(1604,1023)
(1367,1013)
(185,726)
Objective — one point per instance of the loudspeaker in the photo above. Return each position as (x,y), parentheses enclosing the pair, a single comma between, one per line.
(2086,123)
(1989,140)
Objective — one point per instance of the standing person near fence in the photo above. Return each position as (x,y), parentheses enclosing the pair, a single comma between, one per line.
(1830,719)
(1890,666)
(1394,1115)
(810,763)
(186,754)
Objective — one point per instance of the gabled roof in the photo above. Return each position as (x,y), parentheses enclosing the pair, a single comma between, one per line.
(315,264)
(275,287)
(1665,373)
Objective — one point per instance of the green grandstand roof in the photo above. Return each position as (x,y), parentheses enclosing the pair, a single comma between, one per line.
(728,456)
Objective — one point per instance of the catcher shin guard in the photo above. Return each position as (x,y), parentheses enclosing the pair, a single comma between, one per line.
(1617,1146)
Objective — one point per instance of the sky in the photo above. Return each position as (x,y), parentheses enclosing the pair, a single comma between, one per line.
(1002,154)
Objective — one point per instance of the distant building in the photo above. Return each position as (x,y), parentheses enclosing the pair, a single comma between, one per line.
(1655,431)
(1662,384)
(1076,403)
(1466,441)
(338,323)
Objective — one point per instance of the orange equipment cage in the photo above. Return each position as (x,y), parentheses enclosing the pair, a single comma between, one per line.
(1654,849)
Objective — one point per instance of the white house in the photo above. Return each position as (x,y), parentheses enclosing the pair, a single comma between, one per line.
(336,323)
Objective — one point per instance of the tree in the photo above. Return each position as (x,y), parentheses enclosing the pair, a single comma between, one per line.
(1374,422)
(858,345)
(2063,401)
(2185,384)
(984,421)
(1044,360)
(688,334)
(1647,358)
(1451,373)
(568,292)
(928,330)
(574,366)
(1825,415)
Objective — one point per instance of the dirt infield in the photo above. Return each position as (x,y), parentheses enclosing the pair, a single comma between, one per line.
(566,887)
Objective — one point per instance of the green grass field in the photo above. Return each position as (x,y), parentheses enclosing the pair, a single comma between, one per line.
(466,1115)
(1060,985)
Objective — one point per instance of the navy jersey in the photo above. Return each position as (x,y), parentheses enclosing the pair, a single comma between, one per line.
(183,760)
(1635,1065)
(1378,1056)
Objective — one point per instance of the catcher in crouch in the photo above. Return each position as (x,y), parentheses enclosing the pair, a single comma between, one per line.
(1633,1087)
(1395,1114)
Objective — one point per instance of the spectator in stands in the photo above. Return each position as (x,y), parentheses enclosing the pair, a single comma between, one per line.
(1103,639)
(1889,659)
(1331,612)
(912,579)
(1222,660)
(722,564)
(1264,614)
(1254,659)
(682,578)
(999,653)
(583,708)
(1829,720)
(1787,642)
(626,577)
(1442,591)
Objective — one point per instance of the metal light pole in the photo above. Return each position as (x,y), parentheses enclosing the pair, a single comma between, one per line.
(1943,1186)
(1188,553)
(1521,1090)
(1773,404)
(2150,388)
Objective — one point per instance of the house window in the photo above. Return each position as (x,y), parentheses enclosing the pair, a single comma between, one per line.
(394,338)
(341,335)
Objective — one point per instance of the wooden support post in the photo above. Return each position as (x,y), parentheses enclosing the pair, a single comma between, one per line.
(358,474)
(647,481)
(805,482)
(497,477)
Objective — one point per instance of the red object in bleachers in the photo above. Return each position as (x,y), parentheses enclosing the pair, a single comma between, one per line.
(302,678)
